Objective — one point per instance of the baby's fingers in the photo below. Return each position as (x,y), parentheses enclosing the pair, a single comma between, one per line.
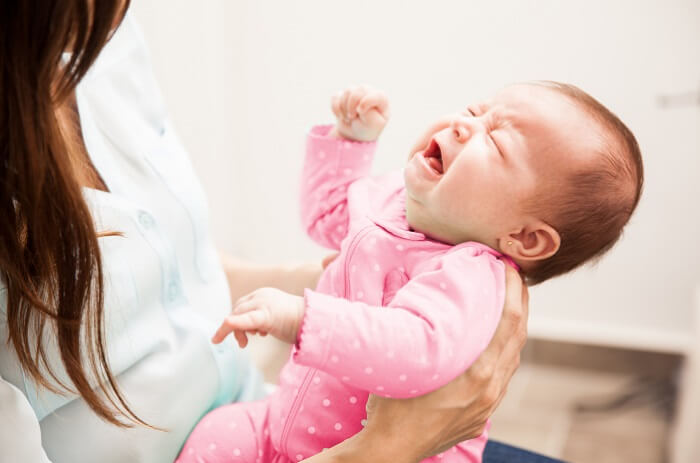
(248,321)
(374,100)
(335,107)
(343,104)
(354,97)
(224,330)
(241,338)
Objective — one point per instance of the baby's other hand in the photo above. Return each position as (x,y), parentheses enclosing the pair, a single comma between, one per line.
(265,310)
(362,113)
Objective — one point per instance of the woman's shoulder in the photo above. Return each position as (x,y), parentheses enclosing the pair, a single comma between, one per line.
(127,40)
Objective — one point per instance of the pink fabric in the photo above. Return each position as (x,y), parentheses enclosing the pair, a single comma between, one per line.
(396,314)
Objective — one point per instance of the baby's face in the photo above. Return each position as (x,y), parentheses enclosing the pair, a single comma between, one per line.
(471,174)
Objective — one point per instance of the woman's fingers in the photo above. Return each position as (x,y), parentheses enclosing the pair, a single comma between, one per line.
(525,299)
(514,309)
(512,316)
(510,356)
(502,357)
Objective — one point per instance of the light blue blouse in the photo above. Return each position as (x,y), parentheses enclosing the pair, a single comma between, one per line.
(162,276)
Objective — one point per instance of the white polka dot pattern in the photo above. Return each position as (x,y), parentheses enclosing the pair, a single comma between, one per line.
(400,340)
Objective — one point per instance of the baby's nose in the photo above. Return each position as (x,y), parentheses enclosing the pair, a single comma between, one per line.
(460,128)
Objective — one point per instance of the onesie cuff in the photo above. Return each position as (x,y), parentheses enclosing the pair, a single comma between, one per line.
(314,336)
(353,158)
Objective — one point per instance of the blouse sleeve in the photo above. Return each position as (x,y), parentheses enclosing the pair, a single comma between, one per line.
(20,436)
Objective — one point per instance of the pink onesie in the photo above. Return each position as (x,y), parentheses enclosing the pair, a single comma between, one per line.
(396,314)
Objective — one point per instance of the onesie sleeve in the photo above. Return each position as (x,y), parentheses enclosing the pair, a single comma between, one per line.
(433,329)
(20,439)
(330,166)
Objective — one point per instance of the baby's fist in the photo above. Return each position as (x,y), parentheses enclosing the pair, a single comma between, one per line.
(362,113)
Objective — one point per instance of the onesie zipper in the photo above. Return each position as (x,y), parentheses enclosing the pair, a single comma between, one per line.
(294,409)
(296,404)
(351,250)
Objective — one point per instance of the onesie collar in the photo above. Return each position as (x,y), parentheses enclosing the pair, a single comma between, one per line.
(393,220)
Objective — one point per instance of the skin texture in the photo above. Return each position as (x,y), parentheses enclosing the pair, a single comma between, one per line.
(496,156)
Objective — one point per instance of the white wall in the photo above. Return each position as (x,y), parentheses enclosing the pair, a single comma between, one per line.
(245,79)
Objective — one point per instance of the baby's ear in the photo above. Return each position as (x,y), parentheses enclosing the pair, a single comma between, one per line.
(535,241)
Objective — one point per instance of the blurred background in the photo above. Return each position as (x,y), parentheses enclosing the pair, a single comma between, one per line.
(612,370)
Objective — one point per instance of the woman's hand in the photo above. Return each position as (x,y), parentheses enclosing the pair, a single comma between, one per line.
(410,430)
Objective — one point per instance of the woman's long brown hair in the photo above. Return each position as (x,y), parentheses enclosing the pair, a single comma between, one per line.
(49,254)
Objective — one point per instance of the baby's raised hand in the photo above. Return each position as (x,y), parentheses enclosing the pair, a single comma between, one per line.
(362,113)
(265,310)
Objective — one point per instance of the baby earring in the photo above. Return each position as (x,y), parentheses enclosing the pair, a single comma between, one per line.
(510,243)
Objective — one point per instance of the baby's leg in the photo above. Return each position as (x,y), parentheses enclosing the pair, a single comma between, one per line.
(232,433)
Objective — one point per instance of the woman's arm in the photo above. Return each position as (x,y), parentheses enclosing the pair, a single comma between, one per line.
(409,430)
(244,277)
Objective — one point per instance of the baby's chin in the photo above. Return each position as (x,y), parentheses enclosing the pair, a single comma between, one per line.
(421,223)
(432,228)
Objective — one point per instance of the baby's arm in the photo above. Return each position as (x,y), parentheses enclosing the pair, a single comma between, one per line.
(336,157)
(432,330)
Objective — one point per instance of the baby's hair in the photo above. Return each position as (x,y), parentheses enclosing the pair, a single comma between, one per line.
(592,206)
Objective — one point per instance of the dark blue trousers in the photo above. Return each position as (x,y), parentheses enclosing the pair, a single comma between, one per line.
(501,453)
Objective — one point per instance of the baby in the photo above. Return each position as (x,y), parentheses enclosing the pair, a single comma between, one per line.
(541,177)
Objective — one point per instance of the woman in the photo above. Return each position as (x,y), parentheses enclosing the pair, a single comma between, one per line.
(106,266)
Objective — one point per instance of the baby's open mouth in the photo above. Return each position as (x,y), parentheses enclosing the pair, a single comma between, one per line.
(433,156)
